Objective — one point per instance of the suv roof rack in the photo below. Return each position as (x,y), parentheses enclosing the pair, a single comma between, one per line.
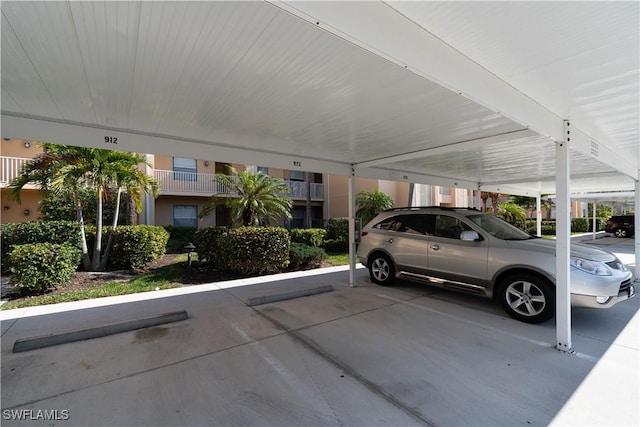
(444,208)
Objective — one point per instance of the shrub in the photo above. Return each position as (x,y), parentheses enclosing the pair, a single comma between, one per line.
(337,229)
(303,257)
(256,250)
(179,237)
(37,232)
(337,237)
(207,241)
(135,246)
(579,225)
(37,267)
(244,250)
(336,245)
(308,236)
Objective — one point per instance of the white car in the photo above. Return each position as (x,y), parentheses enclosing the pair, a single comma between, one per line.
(466,250)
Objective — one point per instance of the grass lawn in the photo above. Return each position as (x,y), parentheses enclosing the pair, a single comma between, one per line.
(166,277)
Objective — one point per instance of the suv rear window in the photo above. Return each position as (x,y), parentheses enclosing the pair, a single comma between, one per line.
(414,224)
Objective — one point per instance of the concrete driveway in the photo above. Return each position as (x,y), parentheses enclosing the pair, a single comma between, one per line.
(373,356)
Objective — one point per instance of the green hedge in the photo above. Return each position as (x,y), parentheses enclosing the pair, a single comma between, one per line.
(207,241)
(244,250)
(179,237)
(135,246)
(337,229)
(37,267)
(36,232)
(308,236)
(304,257)
(337,237)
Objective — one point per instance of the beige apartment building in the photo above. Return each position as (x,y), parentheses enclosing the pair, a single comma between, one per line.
(186,184)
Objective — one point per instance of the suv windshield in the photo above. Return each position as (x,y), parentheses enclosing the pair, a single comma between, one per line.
(498,228)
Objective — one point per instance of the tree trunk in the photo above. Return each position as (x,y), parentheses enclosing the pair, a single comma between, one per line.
(107,251)
(97,250)
(86,260)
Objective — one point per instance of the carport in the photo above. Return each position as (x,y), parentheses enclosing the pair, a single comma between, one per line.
(525,98)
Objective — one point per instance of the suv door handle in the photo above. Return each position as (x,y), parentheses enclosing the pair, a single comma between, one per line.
(390,240)
(435,247)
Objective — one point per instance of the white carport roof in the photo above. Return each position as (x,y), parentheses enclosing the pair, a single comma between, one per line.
(471,94)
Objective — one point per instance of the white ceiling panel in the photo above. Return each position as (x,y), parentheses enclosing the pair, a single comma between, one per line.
(444,92)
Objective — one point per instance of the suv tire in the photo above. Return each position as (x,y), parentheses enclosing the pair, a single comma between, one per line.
(381,269)
(621,232)
(528,298)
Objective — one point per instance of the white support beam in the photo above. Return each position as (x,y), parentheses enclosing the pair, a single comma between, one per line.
(563,230)
(539,215)
(417,177)
(589,146)
(457,147)
(636,234)
(352,228)
(84,136)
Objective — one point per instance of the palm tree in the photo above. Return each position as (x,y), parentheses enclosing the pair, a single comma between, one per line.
(62,167)
(371,203)
(259,197)
(511,212)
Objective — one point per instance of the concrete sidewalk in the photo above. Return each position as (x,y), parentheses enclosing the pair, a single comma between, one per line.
(371,355)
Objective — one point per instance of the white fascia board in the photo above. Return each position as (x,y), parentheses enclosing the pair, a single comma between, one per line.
(449,148)
(413,177)
(552,178)
(382,30)
(37,129)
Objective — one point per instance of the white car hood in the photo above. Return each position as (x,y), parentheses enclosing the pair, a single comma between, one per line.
(549,246)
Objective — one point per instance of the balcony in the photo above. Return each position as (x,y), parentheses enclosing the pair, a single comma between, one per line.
(10,168)
(174,183)
(203,184)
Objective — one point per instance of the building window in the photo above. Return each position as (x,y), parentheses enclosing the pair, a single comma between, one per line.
(185,215)
(264,170)
(296,175)
(184,169)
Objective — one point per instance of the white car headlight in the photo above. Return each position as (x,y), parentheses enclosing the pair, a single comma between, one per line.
(591,267)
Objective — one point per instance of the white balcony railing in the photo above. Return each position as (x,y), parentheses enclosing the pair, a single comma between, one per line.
(180,183)
(177,183)
(10,168)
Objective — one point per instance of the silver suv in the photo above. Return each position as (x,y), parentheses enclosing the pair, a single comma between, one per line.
(466,250)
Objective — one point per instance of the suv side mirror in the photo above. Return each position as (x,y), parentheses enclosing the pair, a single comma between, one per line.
(469,236)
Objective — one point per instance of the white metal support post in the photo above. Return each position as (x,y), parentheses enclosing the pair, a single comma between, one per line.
(563,228)
(636,224)
(594,229)
(352,228)
(539,215)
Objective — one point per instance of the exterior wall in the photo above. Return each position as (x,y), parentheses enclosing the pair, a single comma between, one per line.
(18,148)
(339,193)
(13,211)
(164,209)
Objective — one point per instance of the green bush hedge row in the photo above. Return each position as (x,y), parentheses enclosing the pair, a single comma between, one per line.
(36,232)
(244,250)
(37,267)
(302,257)
(179,237)
(135,246)
(578,225)
(308,236)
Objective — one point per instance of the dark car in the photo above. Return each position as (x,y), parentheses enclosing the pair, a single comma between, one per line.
(620,225)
